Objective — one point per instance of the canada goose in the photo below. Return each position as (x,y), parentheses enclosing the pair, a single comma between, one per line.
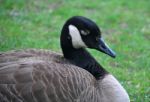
(44,76)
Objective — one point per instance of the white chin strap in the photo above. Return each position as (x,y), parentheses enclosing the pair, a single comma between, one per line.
(77,41)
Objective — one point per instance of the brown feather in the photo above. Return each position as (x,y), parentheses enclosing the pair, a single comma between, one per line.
(39,75)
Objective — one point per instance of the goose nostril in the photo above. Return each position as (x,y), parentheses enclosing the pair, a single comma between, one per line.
(103,46)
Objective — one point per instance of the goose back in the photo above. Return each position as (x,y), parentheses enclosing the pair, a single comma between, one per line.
(42,76)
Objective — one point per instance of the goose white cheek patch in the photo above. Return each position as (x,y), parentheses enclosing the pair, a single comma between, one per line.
(77,41)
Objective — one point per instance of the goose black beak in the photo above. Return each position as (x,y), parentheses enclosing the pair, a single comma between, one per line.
(103,47)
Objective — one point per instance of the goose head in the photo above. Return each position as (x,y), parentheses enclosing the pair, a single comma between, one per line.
(80,32)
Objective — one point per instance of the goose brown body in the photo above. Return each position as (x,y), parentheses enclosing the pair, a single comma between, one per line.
(41,76)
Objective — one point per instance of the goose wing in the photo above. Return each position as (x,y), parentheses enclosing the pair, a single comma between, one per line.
(37,76)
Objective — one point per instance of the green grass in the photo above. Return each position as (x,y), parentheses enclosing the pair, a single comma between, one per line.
(125,26)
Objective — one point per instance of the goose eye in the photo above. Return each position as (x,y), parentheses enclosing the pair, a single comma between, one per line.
(97,38)
(85,32)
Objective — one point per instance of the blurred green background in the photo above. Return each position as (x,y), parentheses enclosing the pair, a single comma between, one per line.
(125,26)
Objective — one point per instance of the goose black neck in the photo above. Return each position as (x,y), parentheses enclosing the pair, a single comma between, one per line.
(81,57)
